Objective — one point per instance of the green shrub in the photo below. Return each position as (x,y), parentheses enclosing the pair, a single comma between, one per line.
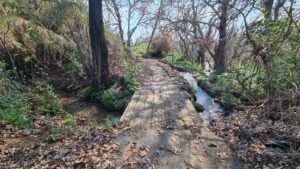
(131,72)
(13,110)
(13,102)
(17,100)
(229,98)
(110,123)
(121,104)
(111,101)
(46,98)
(180,61)
(108,98)
(70,75)
(70,121)
(139,50)
(215,91)
(55,134)
(88,91)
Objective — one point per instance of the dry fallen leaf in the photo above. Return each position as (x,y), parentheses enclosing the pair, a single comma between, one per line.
(222,155)
(144,150)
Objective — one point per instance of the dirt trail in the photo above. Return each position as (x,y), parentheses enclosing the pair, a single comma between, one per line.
(160,129)
(164,129)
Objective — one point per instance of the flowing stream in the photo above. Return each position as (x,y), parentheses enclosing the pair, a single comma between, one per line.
(212,110)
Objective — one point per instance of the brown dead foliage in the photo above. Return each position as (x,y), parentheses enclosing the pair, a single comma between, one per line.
(91,149)
(259,140)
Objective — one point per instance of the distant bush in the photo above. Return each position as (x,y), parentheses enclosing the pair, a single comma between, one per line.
(139,50)
(181,62)
(161,45)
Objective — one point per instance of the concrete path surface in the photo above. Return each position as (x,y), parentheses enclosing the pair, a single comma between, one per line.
(165,131)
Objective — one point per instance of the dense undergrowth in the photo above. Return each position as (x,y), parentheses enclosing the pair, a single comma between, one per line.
(21,102)
(117,97)
(44,50)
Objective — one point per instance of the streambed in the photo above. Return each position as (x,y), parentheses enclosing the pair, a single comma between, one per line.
(212,110)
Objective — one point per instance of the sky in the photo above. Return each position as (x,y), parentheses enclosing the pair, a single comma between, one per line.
(142,31)
(145,30)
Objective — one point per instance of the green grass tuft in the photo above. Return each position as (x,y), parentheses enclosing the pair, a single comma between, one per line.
(139,50)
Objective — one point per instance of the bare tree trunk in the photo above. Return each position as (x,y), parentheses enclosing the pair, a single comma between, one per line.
(279,4)
(155,26)
(184,46)
(201,57)
(266,55)
(268,4)
(128,27)
(219,57)
(200,50)
(119,20)
(98,44)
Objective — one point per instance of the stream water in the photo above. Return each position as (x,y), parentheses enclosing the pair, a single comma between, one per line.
(93,113)
(212,110)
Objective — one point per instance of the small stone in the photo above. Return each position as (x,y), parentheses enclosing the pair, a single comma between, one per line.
(265,167)
(199,107)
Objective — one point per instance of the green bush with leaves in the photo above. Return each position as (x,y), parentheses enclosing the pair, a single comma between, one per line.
(131,72)
(71,75)
(121,104)
(14,109)
(139,50)
(110,100)
(69,121)
(180,61)
(19,103)
(46,98)
(110,123)
(88,91)
(56,134)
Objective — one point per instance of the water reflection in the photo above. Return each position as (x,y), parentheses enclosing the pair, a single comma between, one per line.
(213,110)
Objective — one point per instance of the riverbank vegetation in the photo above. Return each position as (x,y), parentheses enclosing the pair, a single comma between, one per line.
(45,62)
(258,79)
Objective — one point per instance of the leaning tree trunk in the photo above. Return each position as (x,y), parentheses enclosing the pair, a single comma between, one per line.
(219,57)
(155,26)
(201,57)
(119,21)
(98,44)
(200,51)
